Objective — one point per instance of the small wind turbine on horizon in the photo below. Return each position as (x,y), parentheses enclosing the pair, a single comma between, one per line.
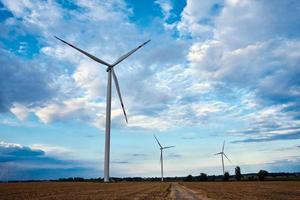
(161,157)
(222,153)
(110,74)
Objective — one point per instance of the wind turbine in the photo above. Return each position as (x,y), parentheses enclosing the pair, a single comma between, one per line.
(110,73)
(222,153)
(161,157)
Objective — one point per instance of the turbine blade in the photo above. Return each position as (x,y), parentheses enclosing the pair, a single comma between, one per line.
(218,153)
(129,53)
(226,157)
(119,92)
(168,147)
(85,53)
(223,146)
(157,141)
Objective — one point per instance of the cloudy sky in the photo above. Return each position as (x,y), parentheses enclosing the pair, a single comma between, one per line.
(214,70)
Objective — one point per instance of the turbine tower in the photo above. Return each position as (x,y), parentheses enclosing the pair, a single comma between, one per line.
(222,153)
(110,74)
(161,157)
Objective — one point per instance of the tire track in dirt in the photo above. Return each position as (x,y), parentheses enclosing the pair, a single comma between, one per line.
(183,193)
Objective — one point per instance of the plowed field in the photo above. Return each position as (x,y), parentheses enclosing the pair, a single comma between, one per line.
(83,190)
(269,190)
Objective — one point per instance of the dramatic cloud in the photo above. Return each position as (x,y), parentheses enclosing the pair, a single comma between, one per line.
(255,52)
(10,151)
(213,69)
(19,162)
(255,61)
(271,123)
(83,83)
(23,82)
(197,18)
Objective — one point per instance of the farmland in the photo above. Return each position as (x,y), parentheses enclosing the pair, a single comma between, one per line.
(83,190)
(269,190)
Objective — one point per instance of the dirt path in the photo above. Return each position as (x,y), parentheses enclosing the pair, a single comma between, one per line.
(183,193)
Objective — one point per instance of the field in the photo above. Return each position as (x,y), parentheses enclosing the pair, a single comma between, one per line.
(271,190)
(83,190)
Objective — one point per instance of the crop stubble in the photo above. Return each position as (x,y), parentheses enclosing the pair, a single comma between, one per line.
(269,190)
(273,190)
(84,190)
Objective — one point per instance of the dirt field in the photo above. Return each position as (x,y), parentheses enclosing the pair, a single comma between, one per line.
(181,192)
(150,191)
(275,190)
(84,190)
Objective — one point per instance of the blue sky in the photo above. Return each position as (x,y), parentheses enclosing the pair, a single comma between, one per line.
(215,70)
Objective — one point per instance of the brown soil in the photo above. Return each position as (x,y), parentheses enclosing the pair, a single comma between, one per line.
(180,192)
(271,190)
(84,190)
(287,190)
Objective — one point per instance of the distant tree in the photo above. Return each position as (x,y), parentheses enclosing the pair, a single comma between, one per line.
(226,176)
(189,178)
(238,174)
(70,179)
(78,179)
(262,174)
(203,177)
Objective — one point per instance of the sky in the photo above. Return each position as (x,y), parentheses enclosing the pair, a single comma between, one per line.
(214,71)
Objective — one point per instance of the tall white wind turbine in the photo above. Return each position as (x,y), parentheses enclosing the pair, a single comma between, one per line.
(161,157)
(110,74)
(222,153)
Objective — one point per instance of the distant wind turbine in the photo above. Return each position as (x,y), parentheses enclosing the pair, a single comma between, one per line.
(110,73)
(161,157)
(222,153)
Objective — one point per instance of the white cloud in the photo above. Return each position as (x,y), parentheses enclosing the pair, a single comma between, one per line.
(9,145)
(19,8)
(20,111)
(247,46)
(148,122)
(56,151)
(91,78)
(205,109)
(24,83)
(109,10)
(83,82)
(166,7)
(197,17)
(77,108)
(35,14)
(267,124)
(158,87)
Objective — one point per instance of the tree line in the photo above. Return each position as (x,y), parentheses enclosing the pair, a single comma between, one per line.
(261,175)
